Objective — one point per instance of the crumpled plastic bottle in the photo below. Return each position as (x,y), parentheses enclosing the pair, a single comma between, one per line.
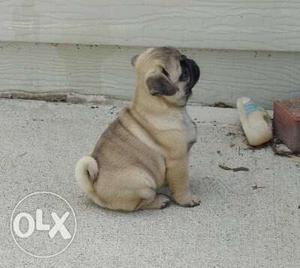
(256,122)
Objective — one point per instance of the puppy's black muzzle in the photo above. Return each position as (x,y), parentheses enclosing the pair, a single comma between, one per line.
(194,73)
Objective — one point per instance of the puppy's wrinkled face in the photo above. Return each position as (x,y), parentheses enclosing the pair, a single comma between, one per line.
(167,74)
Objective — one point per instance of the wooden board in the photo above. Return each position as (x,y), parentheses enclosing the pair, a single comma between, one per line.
(213,24)
(106,70)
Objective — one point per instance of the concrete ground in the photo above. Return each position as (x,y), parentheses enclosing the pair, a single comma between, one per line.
(246,219)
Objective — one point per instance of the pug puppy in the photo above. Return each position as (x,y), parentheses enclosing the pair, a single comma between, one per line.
(148,145)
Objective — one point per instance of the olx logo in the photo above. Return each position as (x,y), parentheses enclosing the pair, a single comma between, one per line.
(37,224)
(43,224)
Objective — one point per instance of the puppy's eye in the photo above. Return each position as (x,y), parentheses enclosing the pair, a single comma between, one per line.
(165,72)
(184,73)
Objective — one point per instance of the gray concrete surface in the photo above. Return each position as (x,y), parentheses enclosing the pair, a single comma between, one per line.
(235,226)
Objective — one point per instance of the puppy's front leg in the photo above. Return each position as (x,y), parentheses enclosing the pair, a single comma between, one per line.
(177,177)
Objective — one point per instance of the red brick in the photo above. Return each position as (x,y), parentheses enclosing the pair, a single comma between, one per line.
(287,123)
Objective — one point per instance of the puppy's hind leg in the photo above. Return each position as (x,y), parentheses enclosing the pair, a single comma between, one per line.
(139,194)
(154,200)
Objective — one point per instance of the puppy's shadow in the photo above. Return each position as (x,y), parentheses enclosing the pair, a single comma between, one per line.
(165,191)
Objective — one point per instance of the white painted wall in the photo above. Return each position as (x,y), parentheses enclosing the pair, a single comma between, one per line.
(213,24)
(106,70)
(226,37)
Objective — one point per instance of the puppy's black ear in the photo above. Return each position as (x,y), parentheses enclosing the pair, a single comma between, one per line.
(133,60)
(159,84)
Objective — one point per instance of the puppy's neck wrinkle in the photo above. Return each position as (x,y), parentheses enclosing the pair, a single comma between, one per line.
(139,119)
(143,129)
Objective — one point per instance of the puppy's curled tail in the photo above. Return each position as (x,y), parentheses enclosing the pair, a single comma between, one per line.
(86,173)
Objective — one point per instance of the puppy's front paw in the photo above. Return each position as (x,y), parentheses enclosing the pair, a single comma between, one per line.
(188,200)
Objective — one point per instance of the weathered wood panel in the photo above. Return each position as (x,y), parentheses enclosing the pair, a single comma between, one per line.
(216,24)
(106,70)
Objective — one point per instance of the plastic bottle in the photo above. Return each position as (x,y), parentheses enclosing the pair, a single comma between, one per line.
(255,120)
